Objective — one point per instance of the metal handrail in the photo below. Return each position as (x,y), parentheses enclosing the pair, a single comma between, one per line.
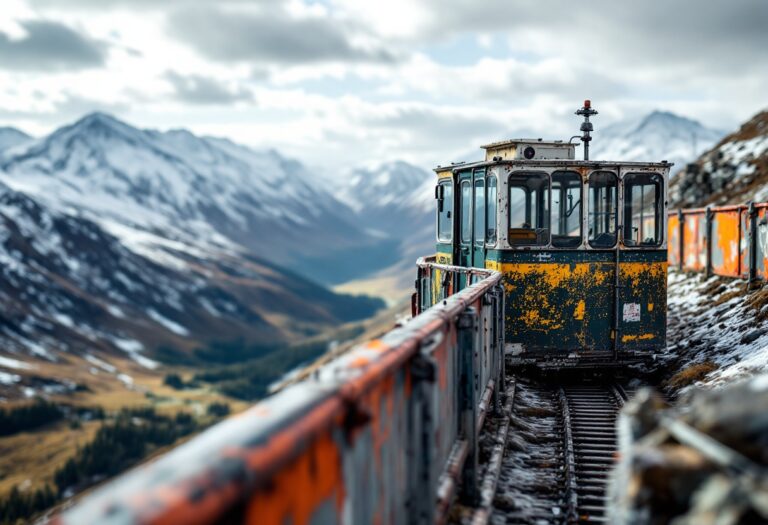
(307,452)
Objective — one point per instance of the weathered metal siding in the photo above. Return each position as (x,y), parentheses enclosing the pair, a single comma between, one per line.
(726,238)
(761,244)
(369,439)
(643,301)
(731,241)
(694,233)
(744,243)
(673,243)
(560,303)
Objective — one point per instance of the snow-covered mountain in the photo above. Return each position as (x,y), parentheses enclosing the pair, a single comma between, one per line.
(734,171)
(395,200)
(208,194)
(385,196)
(660,135)
(10,137)
(73,293)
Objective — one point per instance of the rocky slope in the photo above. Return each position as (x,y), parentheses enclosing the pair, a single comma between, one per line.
(72,291)
(717,333)
(735,170)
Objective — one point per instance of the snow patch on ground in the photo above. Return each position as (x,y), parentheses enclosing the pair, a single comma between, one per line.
(7,362)
(133,349)
(100,364)
(174,327)
(9,379)
(710,319)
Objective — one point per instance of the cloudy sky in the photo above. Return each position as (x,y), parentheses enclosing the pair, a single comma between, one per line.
(341,82)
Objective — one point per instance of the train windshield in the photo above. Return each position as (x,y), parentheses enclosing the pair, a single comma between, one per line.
(642,209)
(445,213)
(528,209)
(602,209)
(566,209)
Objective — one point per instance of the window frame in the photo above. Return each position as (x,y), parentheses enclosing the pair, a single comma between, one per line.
(528,173)
(582,208)
(659,212)
(469,241)
(478,181)
(616,213)
(496,210)
(449,183)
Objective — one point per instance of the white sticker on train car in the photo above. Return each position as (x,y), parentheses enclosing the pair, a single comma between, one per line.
(632,313)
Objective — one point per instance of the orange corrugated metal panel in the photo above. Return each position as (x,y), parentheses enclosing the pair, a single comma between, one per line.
(695,256)
(761,246)
(725,242)
(744,242)
(673,243)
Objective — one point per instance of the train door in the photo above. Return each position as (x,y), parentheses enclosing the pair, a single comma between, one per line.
(600,280)
(478,219)
(463,255)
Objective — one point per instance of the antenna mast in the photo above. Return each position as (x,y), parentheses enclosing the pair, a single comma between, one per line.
(586,126)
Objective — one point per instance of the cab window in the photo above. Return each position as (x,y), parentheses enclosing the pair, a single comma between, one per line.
(479,211)
(566,209)
(642,209)
(602,209)
(466,210)
(445,211)
(528,209)
(490,210)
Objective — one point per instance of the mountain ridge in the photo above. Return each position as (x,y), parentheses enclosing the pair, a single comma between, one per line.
(209,193)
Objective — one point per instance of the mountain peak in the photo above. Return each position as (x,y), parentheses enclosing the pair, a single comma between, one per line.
(10,137)
(656,135)
(100,120)
(668,119)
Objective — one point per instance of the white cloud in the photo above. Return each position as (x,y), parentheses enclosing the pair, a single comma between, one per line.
(359,80)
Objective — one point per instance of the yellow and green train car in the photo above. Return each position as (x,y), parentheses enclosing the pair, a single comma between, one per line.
(581,245)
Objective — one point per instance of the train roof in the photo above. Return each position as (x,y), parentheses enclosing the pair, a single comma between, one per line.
(558,163)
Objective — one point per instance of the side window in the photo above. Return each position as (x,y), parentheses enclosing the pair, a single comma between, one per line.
(490,210)
(602,209)
(466,210)
(528,209)
(445,212)
(479,211)
(566,209)
(642,209)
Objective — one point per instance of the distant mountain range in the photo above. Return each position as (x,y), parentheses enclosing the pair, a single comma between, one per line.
(206,193)
(152,244)
(660,135)
(10,137)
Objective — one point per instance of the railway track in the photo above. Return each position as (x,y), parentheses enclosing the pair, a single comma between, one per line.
(560,449)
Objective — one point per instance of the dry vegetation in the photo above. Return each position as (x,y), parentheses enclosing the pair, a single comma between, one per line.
(690,375)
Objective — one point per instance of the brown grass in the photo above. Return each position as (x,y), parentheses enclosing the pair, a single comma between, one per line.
(34,456)
(724,298)
(690,375)
(757,300)
(716,287)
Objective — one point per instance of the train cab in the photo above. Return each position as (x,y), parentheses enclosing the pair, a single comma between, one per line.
(581,245)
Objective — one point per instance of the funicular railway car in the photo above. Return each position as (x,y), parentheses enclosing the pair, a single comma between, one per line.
(581,245)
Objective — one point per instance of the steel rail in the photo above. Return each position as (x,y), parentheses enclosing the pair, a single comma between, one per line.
(482,514)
